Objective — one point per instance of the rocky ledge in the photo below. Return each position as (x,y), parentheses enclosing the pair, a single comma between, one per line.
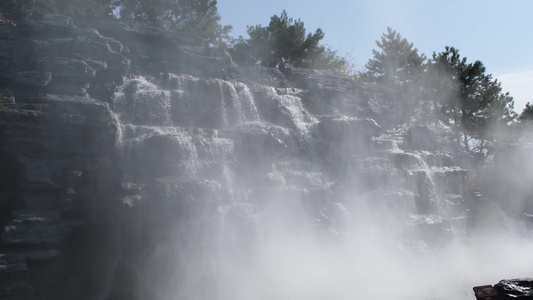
(121,146)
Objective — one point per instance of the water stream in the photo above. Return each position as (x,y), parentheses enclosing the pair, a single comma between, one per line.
(247,195)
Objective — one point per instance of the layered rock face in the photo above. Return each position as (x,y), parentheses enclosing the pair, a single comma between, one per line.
(137,162)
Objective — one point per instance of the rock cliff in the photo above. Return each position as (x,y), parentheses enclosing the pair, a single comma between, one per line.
(132,155)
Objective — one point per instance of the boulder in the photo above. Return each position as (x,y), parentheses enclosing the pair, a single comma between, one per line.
(521,288)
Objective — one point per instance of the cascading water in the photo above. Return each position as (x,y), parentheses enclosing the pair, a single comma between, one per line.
(233,182)
(247,195)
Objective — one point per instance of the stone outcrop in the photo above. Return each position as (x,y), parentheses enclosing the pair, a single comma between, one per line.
(521,288)
(129,151)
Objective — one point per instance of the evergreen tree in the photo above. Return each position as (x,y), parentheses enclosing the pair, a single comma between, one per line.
(284,43)
(396,64)
(468,100)
(527,113)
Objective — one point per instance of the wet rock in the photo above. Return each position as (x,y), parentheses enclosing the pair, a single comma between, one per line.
(66,69)
(143,35)
(431,229)
(265,76)
(31,79)
(13,282)
(67,88)
(7,45)
(337,129)
(164,155)
(154,50)
(48,25)
(328,94)
(43,173)
(21,122)
(427,201)
(52,48)
(206,101)
(452,179)
(333,95)
(6,97)
(423,138)
(101,51)
(340,138)
(96,65)
(515,288)
(181,154)
(83,124)
(372,173)
(171,201)
(214,103)
(257,143)
(114,45)
(143,103)
(282,107)
(35,227)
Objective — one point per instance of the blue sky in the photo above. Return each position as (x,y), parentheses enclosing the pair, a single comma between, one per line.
(496,32)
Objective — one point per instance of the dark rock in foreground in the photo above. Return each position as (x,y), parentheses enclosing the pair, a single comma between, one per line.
(521,288)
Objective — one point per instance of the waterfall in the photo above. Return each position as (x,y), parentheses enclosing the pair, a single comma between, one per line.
(248,195)
(139,164)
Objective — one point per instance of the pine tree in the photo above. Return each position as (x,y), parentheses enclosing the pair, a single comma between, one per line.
(527,113)
(284,43)
(468,100)
(396,64)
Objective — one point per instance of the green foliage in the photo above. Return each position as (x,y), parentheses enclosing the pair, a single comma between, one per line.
(527,113)
(396,64)
(467,99)
(346,66)
(454,93)
(196,16)
(284,43)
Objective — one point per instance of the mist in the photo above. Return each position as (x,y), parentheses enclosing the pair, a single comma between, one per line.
(347,210)
(168,171)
